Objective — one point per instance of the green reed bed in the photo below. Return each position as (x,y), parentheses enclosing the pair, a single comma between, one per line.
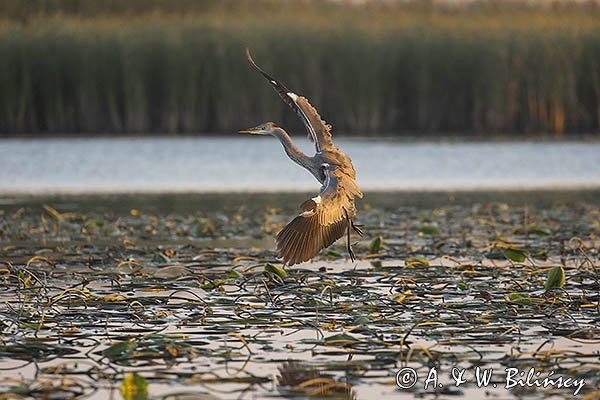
(369,70)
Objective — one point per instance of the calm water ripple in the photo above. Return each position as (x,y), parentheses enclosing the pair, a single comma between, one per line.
(202,164)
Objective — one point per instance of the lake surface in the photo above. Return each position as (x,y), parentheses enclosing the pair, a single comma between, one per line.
(205,164)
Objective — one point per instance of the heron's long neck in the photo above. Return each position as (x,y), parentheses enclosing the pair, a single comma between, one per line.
(290,148)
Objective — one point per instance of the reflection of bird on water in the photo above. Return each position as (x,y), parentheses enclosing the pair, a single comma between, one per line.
(300,379)
(328,216)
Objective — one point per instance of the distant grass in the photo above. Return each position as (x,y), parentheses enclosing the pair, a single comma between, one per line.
(162,66)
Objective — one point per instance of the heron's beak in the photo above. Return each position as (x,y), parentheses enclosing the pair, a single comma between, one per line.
(252,131)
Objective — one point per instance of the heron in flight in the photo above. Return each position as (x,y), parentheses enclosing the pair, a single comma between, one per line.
(329,215)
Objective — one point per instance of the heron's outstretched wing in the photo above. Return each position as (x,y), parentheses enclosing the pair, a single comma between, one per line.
(324,219)
(318,130)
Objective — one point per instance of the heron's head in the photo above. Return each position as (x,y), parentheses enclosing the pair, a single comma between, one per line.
(262,129)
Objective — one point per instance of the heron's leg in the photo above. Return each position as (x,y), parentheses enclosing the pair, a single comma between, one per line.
(357,228)
(350,251)
(349,244)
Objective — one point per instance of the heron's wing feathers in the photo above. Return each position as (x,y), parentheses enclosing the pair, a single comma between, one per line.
(321,128)
(319,131)
(324,219)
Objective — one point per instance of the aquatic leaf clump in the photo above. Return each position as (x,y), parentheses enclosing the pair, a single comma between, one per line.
(134,387)
(275,270)
(556,278)
(516,254)
(376,244)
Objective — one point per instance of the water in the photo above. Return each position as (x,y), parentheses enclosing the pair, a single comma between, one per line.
(204,164)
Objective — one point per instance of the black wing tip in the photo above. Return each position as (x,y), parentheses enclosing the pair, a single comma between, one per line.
(277,85)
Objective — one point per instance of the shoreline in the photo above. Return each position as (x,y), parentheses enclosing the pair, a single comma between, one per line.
(175,191)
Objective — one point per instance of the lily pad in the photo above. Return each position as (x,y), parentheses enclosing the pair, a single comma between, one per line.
(275,270)
(556,278)
(134,387)
(516,254)
(375,245)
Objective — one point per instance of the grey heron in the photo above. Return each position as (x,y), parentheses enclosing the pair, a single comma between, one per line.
(329,215)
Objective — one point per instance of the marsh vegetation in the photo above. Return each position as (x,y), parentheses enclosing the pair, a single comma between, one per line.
(183,297)
(178,66)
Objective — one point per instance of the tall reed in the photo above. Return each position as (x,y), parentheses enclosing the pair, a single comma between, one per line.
(369,70)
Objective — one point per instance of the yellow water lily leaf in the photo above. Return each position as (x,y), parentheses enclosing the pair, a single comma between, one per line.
(134,387)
